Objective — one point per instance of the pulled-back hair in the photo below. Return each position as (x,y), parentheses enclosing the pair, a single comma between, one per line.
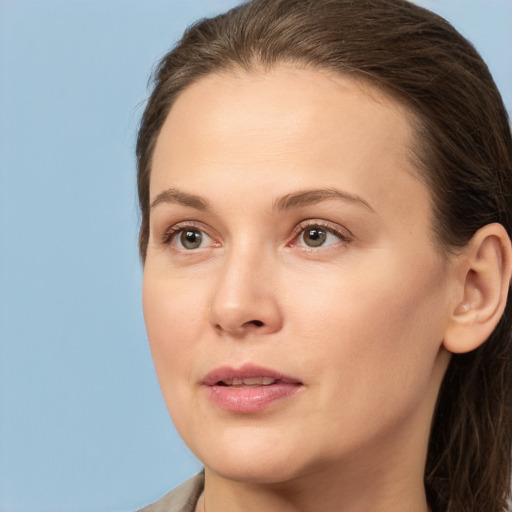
(464,155)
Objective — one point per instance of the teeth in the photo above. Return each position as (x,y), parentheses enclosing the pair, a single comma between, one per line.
(249,381)
(255,381)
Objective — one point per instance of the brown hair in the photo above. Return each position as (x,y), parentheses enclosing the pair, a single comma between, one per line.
(464,154)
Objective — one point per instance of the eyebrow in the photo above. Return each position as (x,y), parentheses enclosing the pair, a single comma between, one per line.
(174,196)
(307,197)
(286,202)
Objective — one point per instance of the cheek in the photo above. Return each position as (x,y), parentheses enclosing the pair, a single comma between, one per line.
(375,333)
(173,313)
(394,300)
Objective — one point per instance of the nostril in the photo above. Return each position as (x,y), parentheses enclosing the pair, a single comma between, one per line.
(246,326)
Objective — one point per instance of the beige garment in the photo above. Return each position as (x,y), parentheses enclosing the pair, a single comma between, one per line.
(181,499)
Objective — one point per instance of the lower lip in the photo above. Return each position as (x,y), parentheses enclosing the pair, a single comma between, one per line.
(250,399)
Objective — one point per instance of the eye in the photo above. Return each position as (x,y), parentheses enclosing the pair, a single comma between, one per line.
(188,238)
(318,235)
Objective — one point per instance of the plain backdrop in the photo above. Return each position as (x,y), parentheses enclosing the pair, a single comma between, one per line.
(82,424)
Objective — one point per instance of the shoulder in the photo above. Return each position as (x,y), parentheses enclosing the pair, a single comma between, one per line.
(181,499)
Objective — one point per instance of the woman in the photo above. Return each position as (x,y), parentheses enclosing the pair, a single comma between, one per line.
(326,196)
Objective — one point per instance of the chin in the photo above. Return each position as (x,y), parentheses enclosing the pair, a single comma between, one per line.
(254,472)
(252,458)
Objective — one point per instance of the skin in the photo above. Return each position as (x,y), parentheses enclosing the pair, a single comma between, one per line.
(359,320)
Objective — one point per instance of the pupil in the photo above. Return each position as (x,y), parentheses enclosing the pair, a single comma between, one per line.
(191,239)
(315,237)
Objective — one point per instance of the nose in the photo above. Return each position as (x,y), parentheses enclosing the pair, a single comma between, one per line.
(246,298)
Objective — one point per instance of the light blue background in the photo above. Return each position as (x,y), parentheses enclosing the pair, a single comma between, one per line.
(82,423)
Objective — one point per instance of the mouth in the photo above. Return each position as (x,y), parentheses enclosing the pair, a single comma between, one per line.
(248,375)
(249,388)
(247,382)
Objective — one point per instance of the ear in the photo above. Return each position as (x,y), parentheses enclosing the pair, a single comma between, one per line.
(485,267)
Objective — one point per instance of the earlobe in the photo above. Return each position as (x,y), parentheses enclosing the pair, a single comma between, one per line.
(485,266)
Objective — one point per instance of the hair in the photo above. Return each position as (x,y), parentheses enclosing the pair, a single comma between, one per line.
(463,153)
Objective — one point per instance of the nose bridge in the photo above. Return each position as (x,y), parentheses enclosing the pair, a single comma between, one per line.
(245,298)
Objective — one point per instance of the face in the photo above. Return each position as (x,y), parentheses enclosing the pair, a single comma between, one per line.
(295,302)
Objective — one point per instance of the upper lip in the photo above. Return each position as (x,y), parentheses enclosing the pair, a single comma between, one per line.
(246,371)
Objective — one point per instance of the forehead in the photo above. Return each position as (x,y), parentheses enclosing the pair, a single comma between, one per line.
(304,124)
(285,95)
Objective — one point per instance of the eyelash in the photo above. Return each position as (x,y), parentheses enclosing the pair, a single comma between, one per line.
(177,229)
(342,233)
